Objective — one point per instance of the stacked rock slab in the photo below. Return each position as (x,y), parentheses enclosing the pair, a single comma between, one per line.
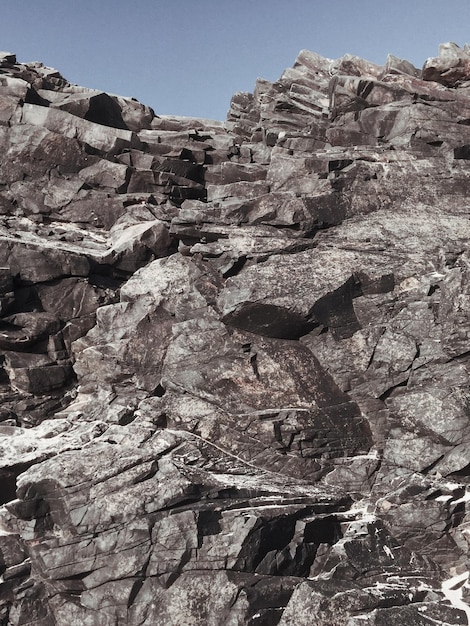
(235,356)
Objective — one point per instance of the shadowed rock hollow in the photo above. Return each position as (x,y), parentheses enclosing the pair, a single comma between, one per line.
(234,357)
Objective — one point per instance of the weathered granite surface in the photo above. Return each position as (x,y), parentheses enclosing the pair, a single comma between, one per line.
(234,357)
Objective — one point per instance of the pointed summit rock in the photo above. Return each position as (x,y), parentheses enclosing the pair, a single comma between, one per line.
(451,68)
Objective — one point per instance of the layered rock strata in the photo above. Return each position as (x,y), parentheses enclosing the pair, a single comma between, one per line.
(235,356)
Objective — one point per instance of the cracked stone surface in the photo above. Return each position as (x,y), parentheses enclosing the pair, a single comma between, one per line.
(234,356)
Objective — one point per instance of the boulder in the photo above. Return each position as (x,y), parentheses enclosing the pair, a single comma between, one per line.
(7,58)
(90,133)
(134,244)
(450,68)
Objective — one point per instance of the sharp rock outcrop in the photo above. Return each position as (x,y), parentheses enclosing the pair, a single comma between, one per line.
(235,356)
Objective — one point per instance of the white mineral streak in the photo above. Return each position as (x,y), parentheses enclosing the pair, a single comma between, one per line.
(453,591)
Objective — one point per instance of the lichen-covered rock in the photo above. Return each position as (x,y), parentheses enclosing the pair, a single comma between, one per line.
(234,361)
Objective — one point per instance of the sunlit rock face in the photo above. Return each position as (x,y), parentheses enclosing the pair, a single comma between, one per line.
(234,357)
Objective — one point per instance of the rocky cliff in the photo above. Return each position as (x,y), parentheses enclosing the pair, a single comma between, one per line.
(235,356)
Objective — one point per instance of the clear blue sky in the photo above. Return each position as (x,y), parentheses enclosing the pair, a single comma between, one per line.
(187,57)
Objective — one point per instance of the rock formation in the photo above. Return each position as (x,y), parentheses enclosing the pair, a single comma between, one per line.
(235,356)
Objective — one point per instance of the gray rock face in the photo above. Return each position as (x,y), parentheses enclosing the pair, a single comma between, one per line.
(234,357)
